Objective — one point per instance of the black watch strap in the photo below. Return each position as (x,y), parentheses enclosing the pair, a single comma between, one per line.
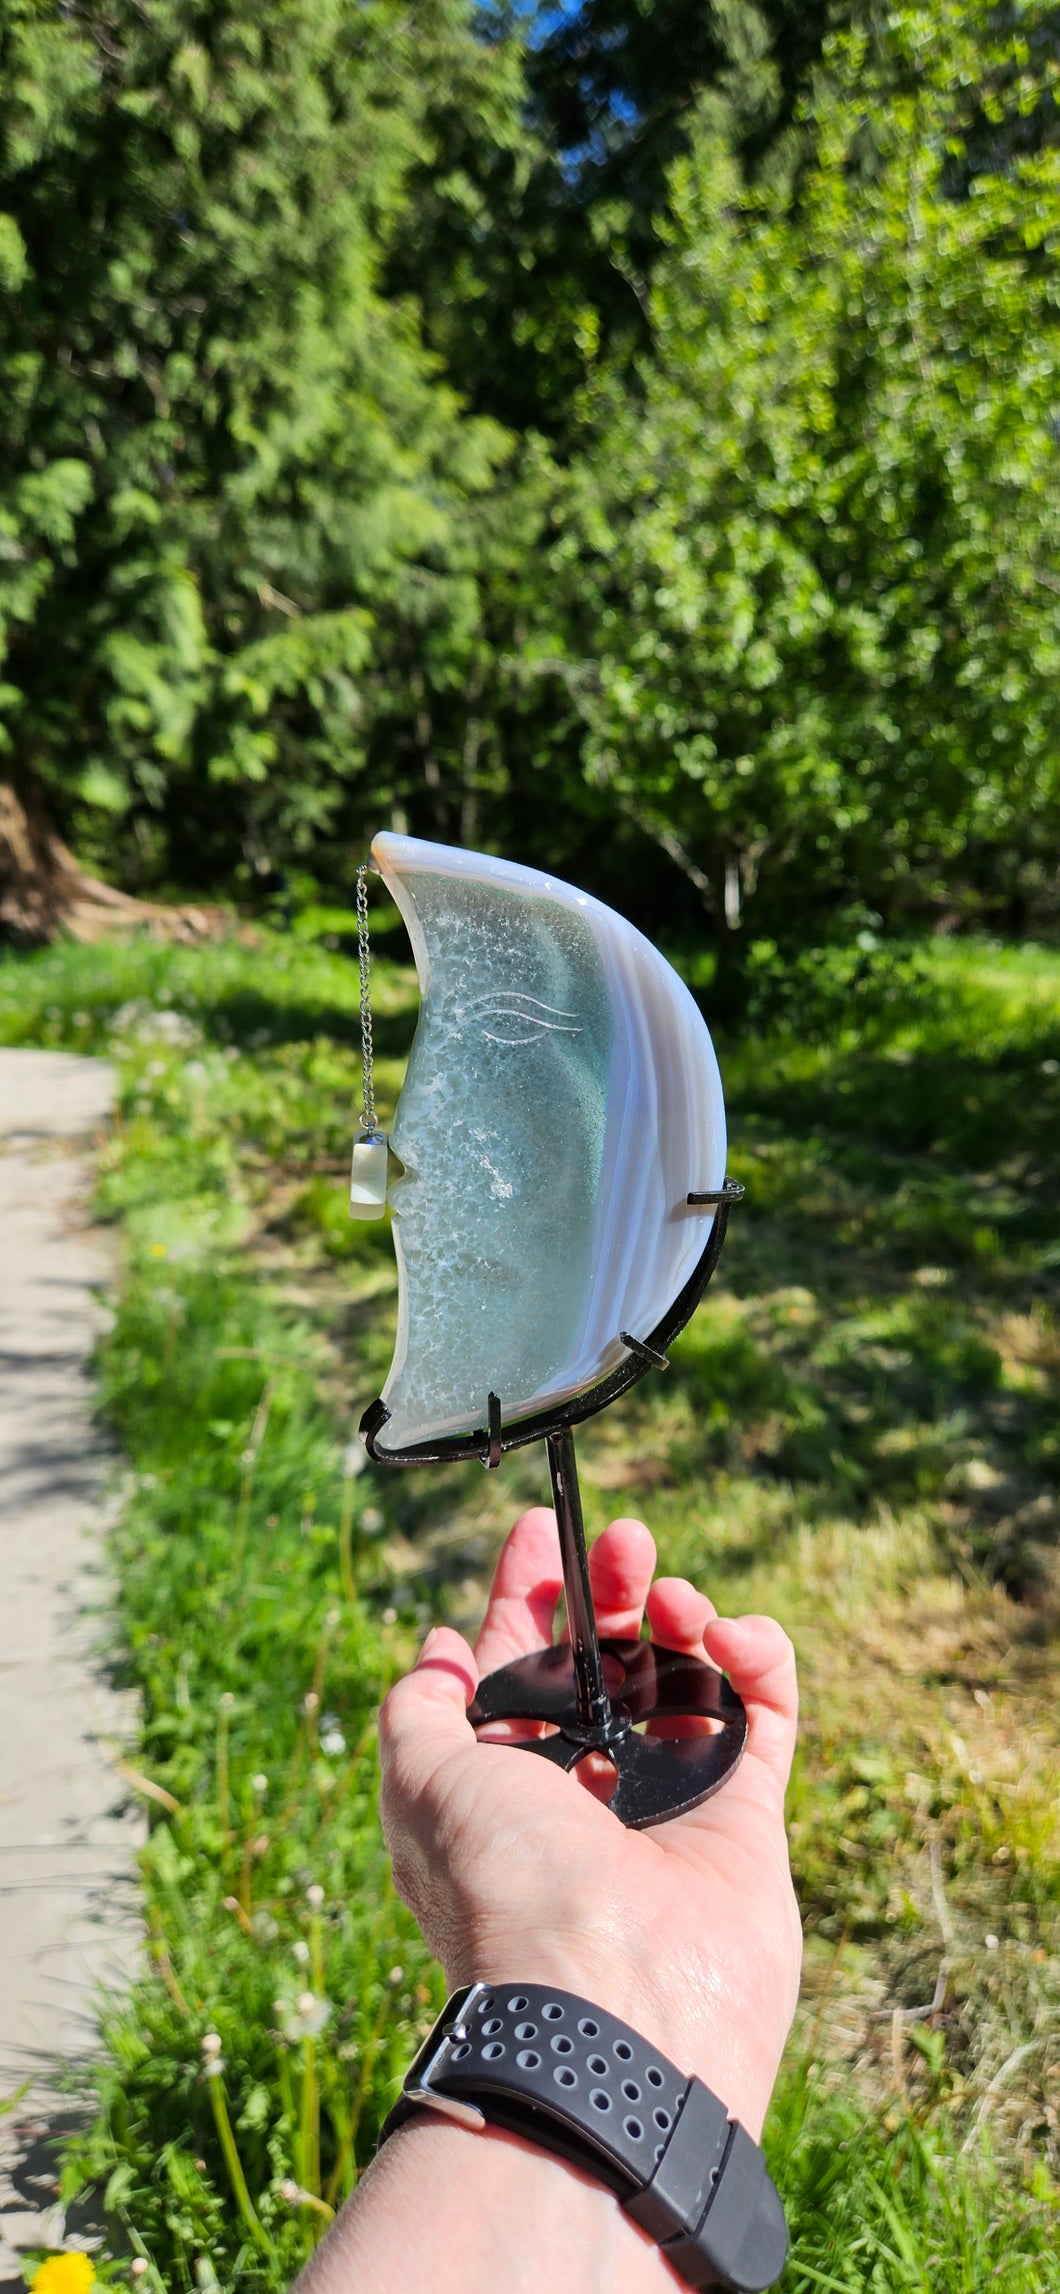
(548,2065)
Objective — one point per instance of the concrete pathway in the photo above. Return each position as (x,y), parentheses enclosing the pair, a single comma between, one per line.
(67,1835)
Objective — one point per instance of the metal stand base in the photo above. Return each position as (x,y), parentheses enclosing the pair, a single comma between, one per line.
(657,1776)
(592,1695)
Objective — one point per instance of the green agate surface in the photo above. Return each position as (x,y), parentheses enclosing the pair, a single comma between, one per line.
(562,1101)
(500,1129)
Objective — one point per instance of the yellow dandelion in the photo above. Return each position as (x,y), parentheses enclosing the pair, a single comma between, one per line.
(63,2274)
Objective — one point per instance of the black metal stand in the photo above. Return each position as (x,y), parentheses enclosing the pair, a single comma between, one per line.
(595,1696)
(640,1706)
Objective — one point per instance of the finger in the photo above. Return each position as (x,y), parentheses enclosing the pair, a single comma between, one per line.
(760,1662)
(526,1586)
(620,1572)
(425,1743)
(424,1718)
(677,1614)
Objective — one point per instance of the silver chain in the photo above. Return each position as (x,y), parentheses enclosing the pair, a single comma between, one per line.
(364,960)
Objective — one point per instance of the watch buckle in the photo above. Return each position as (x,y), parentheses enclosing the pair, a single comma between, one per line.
(449,2106)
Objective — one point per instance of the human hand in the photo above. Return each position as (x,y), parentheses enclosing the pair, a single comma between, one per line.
(516,1870)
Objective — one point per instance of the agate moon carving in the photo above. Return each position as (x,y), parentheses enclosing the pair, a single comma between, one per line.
(562,1099)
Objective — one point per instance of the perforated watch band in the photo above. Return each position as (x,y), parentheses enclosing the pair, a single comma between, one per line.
(550,2066)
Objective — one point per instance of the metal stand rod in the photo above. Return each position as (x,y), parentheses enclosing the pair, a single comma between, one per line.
(594,1704)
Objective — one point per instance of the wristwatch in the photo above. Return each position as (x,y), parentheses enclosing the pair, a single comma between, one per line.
(565,2074)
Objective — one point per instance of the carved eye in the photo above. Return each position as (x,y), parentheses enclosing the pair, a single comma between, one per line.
(512,1017)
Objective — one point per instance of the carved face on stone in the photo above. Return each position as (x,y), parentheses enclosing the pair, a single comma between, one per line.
(561,1099)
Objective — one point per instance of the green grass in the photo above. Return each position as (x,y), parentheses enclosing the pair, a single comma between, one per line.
(858,1432)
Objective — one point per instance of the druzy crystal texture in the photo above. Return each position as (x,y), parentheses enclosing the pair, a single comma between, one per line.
(562,1098)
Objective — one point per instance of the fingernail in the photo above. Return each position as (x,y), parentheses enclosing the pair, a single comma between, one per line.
(428,1644)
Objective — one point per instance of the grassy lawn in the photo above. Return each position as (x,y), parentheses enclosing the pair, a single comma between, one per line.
(859,1432)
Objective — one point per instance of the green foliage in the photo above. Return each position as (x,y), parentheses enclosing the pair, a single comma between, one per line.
(242,511)
(531,243)
(813,568)
(627,439)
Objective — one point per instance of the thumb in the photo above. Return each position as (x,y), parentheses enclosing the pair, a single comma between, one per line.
(423,1720)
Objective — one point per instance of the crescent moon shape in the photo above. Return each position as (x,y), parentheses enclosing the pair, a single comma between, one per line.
(562,1099)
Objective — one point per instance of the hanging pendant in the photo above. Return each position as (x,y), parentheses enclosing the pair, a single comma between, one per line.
(368,1175)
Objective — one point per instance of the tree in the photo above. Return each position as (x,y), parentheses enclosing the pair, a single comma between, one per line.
(814,574)
(240,509)
(531,230)
(625,437)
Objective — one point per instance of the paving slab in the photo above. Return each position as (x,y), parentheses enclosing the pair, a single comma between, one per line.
(68,1835)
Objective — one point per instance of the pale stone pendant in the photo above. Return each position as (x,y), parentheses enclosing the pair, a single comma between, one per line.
(368,1176)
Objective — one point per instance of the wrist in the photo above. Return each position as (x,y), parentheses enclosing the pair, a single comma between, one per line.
(535,2218)
(569,2227)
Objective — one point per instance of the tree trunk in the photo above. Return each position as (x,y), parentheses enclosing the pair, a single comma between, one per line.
(44,892)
